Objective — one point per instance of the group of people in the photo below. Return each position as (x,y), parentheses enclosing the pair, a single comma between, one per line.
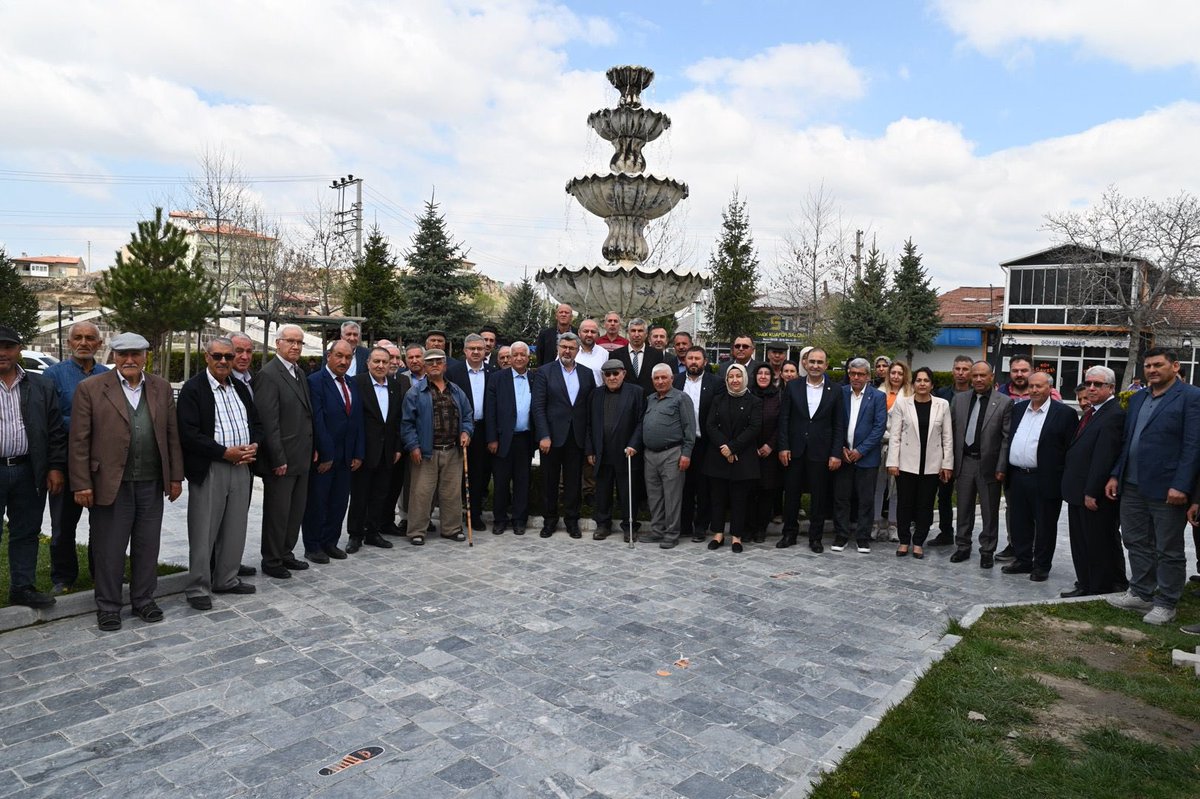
(633,416)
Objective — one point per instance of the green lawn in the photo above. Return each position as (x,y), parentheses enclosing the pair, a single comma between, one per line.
(84,583)
(1080,700)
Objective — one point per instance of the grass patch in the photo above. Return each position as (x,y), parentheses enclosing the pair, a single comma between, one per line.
(1080,700)
(84,583)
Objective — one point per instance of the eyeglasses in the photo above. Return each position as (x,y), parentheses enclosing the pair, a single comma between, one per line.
(612,373)
(1095,383)
(222,356)
(741,346)
(295,342)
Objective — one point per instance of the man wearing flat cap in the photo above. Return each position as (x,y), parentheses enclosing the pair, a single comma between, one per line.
(614,444)
(124,457)
(33,457)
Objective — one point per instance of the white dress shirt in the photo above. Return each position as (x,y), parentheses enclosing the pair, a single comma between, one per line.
(1023,450)
(856,401)
(814,396)
(692,387)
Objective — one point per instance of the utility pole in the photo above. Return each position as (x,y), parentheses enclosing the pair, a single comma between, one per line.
(858,244)
(349,219)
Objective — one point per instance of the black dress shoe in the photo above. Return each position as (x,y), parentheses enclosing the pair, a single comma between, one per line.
(237,588)
(668,543)
(30,597)
(1074,592)
(1006,554)
(278,572)
(500,528)
(601,534)
(317,557)
(699,537)
(960,555)
(574,531)
(1039,576)
(293,563)
(478,526)
(986,560)
(353,546)
(942,539)
(402,527)
(736,547)
(108,620)
(546,532)
(815,545)
(1017,568)
(518,531)
(200,602)
(716,543)
(785,542)
(335,553)
(246,571)
(376,540)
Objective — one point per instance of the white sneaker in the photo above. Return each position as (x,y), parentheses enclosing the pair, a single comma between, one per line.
(1129,601)
(893,534)
(1159,615)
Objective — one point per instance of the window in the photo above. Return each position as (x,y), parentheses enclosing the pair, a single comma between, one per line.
(1020,316)
(1051,316)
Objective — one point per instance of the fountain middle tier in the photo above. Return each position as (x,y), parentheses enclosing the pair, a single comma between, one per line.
(628,129)
(643,196)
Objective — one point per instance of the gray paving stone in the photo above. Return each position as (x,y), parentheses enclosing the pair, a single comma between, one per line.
(704,786)
(465,773)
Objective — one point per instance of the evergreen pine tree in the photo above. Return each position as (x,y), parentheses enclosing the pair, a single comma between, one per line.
(437,293)
(733,268)
(525,315)
(913,305)
(158,289)
(863,322)
(18,305)
(373,288)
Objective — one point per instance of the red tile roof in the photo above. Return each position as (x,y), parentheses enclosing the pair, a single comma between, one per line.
(49,259)
(1182,313)
(972,306)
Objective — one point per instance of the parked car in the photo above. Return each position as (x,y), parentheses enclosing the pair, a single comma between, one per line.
(36,362)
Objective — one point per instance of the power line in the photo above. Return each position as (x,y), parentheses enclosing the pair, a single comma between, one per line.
(86,178)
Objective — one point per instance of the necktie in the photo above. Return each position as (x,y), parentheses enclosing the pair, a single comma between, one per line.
(973,420)
(345,394)
(637,364)
(1087,417)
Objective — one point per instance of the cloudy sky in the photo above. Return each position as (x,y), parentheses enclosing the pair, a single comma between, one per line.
(960,123)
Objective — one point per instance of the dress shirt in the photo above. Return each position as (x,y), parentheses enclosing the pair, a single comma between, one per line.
(594,360)
(244,377)
(692,386)
(232,428)
(13,439)
(814,396)
(353,370)
(66,376)
(571,378)
(381,396)
(635,358)
(478,380)
(856,401)
(132,394)
(343,388)
(1023,450)
(522,396)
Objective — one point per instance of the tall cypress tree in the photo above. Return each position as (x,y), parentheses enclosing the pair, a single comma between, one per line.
(158,288)
(863,321)
(733,268)
(18,305)
(436,292)
(913,305)
(373,289)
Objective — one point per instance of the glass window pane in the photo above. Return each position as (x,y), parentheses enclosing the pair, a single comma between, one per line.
(1039,285)
(1051,316)
(1068,377)
(1094,352)
(1020,316)
(1052,287)
(1014,286)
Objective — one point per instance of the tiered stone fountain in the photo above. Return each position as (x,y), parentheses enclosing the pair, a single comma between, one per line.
(626,200)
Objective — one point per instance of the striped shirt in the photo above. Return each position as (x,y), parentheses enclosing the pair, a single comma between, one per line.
(13,441)
(232,429)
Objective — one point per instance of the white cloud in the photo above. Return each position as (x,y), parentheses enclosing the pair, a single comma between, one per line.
(1148,35)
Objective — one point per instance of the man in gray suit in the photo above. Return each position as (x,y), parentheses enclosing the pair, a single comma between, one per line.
(281,396)
(981,435)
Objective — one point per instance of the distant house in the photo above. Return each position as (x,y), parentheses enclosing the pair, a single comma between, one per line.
(235,246)
(40,267)
(970,324)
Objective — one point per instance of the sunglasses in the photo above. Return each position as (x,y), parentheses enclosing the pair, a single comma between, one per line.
(222,356)
(612,373)
(741,346)
(1095,383)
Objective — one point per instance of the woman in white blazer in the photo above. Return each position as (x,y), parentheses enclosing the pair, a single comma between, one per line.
(920,453)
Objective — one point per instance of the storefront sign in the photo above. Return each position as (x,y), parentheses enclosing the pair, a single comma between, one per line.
(1061,340)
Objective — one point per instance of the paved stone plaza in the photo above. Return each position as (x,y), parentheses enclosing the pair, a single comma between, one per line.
(520,668)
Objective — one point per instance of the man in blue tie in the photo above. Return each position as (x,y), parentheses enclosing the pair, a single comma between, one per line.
(509,431)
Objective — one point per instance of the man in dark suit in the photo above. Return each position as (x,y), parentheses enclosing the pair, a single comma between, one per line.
(352,335)
(638,356)
(471,376)
(945,498)
(560,408)
(1154,476)
(285,410)
(508,419)
(982,421)
(125,456)
(1094,518)
(547,340)
(812,430)
(338,436)
(681,342)
(865,411)
(614,445)
(743,353)
(33,461)
(700,386)
(1042,430)
(371,485)
(219,433)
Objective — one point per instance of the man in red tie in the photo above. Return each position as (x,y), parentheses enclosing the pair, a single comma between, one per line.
(338,439)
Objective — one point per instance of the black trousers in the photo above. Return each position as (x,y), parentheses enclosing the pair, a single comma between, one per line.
(915,494)
(1033,520)
(697,502)
(1096,549)
(614,472)
(563,463)
(395,488)
(370,488)
(731,498)
(479,469)
(854,490)
(762,506)
(64,522)
(945,503)
(511,475)
(811,477)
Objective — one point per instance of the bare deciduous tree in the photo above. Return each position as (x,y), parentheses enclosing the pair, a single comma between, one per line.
(272,270)
(220,205)
(327,257)
(1132,254)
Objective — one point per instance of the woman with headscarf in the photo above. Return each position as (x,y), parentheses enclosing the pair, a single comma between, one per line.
(770,474)
(920,454)
(731,463)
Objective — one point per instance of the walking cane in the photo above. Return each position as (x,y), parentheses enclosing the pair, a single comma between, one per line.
(629,474)
(467,489)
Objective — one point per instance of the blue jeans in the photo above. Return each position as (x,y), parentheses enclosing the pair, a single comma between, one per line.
(1153,533)
(23,503)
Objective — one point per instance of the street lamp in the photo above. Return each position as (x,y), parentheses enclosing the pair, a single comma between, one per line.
(70,317)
